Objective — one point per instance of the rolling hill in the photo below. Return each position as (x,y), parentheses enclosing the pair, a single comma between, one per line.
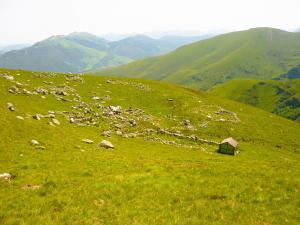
(71,53)
(255,53)
(78,52)
(293,73)
(279,97)
(164,168)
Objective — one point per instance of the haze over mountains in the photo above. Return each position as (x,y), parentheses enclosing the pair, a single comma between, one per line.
(78,52)
(8,48)
(256,53)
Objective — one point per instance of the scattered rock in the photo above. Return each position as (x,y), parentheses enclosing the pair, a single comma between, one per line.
(132,123)
(19,84)
(119,133)
(41,91)
(106,133)
(50,116)
(106,144)
(130,135)
(88,141)
(8,77)
(13,90)
(6,176)
(118,126)
(34,142)
(115,109)
(63,93)
(170,100)
(37,116)
(55,121)
(186,122)
(26,92)
(20,117)
(95,98)
(40,147)
(10,106)
(149,130)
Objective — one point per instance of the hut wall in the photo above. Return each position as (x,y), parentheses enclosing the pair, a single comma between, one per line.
(226,149)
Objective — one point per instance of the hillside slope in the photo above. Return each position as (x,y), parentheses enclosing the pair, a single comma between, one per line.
(254,53)
(78,52)
(72,53)
(279,97)
(164,168)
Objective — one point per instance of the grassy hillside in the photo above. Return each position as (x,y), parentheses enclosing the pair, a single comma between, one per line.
(164,168)
(279,97)
(72,53)
(293,73)
(254,53)
(78,52)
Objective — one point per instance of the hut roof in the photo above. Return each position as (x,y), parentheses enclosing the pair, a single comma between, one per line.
(230,141)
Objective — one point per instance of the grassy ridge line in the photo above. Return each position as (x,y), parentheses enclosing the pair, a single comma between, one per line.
(280,97)
(255,53)
(144,182)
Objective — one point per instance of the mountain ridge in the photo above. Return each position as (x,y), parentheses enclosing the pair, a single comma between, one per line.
(255,53)
(82,51)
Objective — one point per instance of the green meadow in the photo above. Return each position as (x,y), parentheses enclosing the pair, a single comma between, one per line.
(153,177)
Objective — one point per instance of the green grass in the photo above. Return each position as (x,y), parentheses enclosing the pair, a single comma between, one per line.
(280,97)
(255,53)
(145,182)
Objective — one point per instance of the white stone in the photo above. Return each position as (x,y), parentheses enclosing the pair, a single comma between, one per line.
(6,176)
(106,144)
(55,121)
(34,142)
(88,141)
(20,117)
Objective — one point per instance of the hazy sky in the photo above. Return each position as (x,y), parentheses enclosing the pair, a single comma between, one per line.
(24,21)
